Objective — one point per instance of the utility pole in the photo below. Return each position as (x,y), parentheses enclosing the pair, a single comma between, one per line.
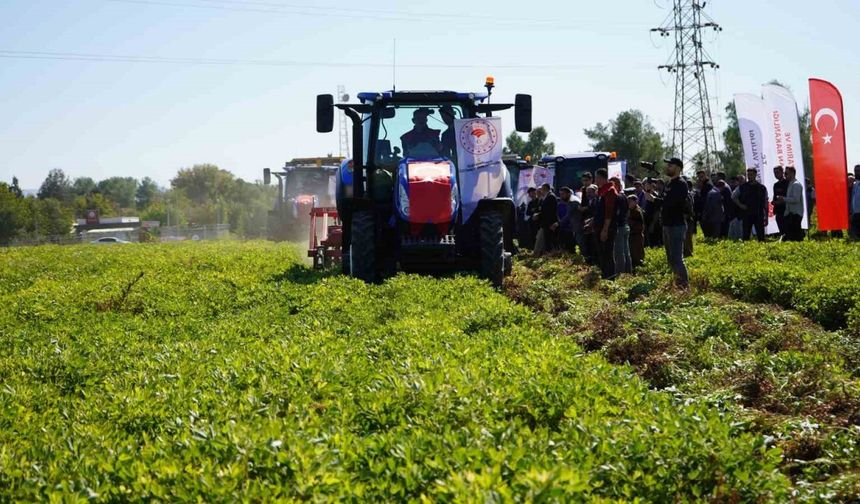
(693,137)
(343,148)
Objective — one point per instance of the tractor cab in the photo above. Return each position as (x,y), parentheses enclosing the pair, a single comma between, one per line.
(406,201)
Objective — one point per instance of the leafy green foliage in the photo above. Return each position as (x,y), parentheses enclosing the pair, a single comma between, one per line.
(817,278)
(227,371)
(535,146)
(631,136)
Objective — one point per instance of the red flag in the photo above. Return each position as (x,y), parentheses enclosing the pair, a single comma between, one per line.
(828,149)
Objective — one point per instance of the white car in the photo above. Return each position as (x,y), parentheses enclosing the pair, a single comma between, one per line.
(109,239)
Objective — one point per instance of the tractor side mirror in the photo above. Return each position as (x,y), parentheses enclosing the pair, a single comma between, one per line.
(325,113)
(523,113)
(267,176)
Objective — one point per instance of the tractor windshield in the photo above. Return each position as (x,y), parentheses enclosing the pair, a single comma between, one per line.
(417,131)
(311,182)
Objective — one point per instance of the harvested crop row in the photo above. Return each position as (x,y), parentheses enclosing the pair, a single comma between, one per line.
(787,377)
(221,374)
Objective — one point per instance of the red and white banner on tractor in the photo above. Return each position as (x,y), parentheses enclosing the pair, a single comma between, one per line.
(828,149)
(479,160)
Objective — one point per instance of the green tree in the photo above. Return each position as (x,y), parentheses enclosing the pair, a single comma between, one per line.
(83,186)
(535,146)
(147,192)
(56,186)
(806,143)
(203,183)
(94,201)
(16,188)
(11,213)
(121,190)
(732,155)
(631,136)
(49,217)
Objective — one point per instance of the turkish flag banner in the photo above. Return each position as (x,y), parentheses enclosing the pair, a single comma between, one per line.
(828,149)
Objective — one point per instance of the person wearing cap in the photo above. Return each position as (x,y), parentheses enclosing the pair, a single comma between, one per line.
(753,200)
(449,143)
(676,206)
(421,135)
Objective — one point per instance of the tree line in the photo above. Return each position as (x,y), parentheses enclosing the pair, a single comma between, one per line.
(201,195)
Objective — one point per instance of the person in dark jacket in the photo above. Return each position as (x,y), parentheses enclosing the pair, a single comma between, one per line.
(531,227)
(713,213)
(752,199)
(605,223)
(546,217)
(704,186)
(674,211)
(653,226)
(636,221)
(728,204)
(780,187)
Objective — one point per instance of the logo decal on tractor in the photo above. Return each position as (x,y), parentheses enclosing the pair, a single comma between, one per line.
(478,137)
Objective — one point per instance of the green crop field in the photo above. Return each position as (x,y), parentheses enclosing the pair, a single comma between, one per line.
(219,372)
(231,371)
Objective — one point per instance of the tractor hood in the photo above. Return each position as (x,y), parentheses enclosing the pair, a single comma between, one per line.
(427,192)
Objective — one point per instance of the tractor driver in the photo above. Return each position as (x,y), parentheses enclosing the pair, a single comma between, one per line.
(421,140)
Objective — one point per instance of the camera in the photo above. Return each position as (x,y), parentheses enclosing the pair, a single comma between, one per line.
(650,166)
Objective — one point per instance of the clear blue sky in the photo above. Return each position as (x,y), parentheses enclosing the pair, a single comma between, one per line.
(104,118)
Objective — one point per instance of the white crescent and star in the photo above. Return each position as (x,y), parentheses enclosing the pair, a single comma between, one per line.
(826,112)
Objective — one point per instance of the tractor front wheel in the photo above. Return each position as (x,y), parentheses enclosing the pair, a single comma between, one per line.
(493,248)
(362,250)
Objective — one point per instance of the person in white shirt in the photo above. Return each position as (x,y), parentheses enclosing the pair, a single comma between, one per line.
(793,200)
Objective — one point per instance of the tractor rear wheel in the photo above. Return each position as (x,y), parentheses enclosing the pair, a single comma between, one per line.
(493,248)
(362,249)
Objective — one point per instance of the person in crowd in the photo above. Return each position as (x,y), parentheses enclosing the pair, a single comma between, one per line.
(659,186)
(810,199)
(546,217)
(587,180)
(752,199)
(691,219)
(605,223)
(736,226)
(703,186)
(653,226)
(629,181)
(588,209)
(713,211)
(779,189)
(728,204)
(568,216)
(636,221)
(532,205)
(639,191)
(621,250)
(674,212)
(793,201)
(854,204)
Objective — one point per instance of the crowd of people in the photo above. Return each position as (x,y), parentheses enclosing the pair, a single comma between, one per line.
(611,226)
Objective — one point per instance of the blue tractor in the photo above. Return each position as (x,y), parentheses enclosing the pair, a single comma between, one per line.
(405,202)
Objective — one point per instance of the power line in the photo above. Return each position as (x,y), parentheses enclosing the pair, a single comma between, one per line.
(423,14)
(75,56)
(477,21)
